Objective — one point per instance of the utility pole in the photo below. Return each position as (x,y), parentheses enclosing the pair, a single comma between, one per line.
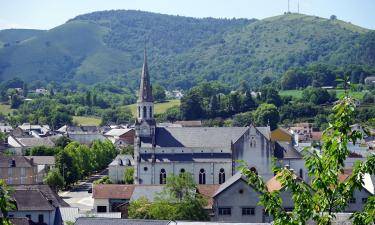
(288,6)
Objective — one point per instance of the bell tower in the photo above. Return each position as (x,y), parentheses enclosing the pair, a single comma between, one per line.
(145,122)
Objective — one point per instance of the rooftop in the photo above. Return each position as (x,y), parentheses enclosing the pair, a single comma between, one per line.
(113,191)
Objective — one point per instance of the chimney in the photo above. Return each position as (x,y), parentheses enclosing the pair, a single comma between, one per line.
(32,161)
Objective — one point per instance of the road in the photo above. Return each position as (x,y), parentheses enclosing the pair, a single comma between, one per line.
(78,195)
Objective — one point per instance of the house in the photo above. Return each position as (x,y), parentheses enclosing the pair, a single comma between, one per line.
(121,137)
(36,130)
(5,128)
(236,201)
(117,167)
(38,203)
(281,134)
(41,91)
(107,197)
(43,163)
(82,134)
(21,144)
(70,214)
(19,170)
(100,221)
(370,80)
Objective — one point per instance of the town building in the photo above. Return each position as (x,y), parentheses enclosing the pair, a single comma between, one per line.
(19,170)
(121,137)
(208,153)
(117,167)
(38,203)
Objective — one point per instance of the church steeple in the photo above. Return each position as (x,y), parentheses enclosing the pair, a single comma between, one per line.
(145,101)
(145,89)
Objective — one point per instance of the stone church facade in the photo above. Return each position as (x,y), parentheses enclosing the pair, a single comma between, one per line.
(210,154)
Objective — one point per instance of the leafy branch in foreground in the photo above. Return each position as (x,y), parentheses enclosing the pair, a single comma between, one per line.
(6,203)
(325,194)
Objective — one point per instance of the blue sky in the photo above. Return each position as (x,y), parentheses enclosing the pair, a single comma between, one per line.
(46,14)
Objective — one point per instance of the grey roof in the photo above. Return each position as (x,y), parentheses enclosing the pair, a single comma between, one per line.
(113,221)
(265,131)
(195,137)
(47,192)
(21,221)
(189,157)
(122,160)
(20,161)
(117,132)
(32,142)
(86,138)
(145,90)
(72,213)
(233,179)
(31,200)
(42,160)
(288,151)
(148,191)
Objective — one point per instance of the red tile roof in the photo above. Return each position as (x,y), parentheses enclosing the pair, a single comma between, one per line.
(113,191)
(273,184)
(208,191)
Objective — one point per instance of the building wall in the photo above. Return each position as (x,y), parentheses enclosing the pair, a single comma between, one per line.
(18,175)
(116,173)
(48,216)
(256,151)
(128,137)
(237,196)
(358,205)
(150,173)
(100,202)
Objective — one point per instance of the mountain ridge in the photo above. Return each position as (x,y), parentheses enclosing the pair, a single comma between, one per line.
(108,46)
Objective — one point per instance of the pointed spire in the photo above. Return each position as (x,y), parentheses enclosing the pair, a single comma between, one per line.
(145,91)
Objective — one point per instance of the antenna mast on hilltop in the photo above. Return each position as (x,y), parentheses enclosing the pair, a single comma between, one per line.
(298,7)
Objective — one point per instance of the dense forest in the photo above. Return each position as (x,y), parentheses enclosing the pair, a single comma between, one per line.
(107,47)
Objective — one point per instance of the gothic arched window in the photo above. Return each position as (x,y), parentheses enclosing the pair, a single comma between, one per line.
(139,111)
(254,170)
(221,176)
(163,176)
(144,112)
(202,176)
(253,142)
(150,112)
(301,173)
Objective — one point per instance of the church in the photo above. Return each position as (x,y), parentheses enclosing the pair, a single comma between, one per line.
(210,154)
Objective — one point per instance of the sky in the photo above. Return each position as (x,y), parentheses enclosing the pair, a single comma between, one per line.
(46,14)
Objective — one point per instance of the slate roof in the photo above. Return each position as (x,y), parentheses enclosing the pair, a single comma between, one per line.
(195,137)
(288,151)
(233,179)
(113,191)
(188,157)
(47,192)
(42,160)
(117,132)
(31,142)
(148,191)
(21,221)
(114,221)
(72,213)
(124,160)
(21,161)
(31,200)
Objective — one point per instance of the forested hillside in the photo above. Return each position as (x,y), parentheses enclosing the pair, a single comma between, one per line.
(107,46)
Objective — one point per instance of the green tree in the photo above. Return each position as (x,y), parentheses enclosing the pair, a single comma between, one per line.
(129,175)
(158,92)
(248,102)
(267,114)
(54,180)
(15,101)
(191,106)
(325,194)
(140,209)
(62,141)
(6,203)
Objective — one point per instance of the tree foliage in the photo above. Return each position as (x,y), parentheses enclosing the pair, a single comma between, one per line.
(325,194)
(6,203)
(54,179)
(177,201)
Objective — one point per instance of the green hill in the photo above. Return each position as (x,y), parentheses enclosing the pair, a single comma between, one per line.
(107,46)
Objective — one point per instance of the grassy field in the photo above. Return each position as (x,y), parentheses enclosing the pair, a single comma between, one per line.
(86,120)
(339,92)
(5,109)
(159,107)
